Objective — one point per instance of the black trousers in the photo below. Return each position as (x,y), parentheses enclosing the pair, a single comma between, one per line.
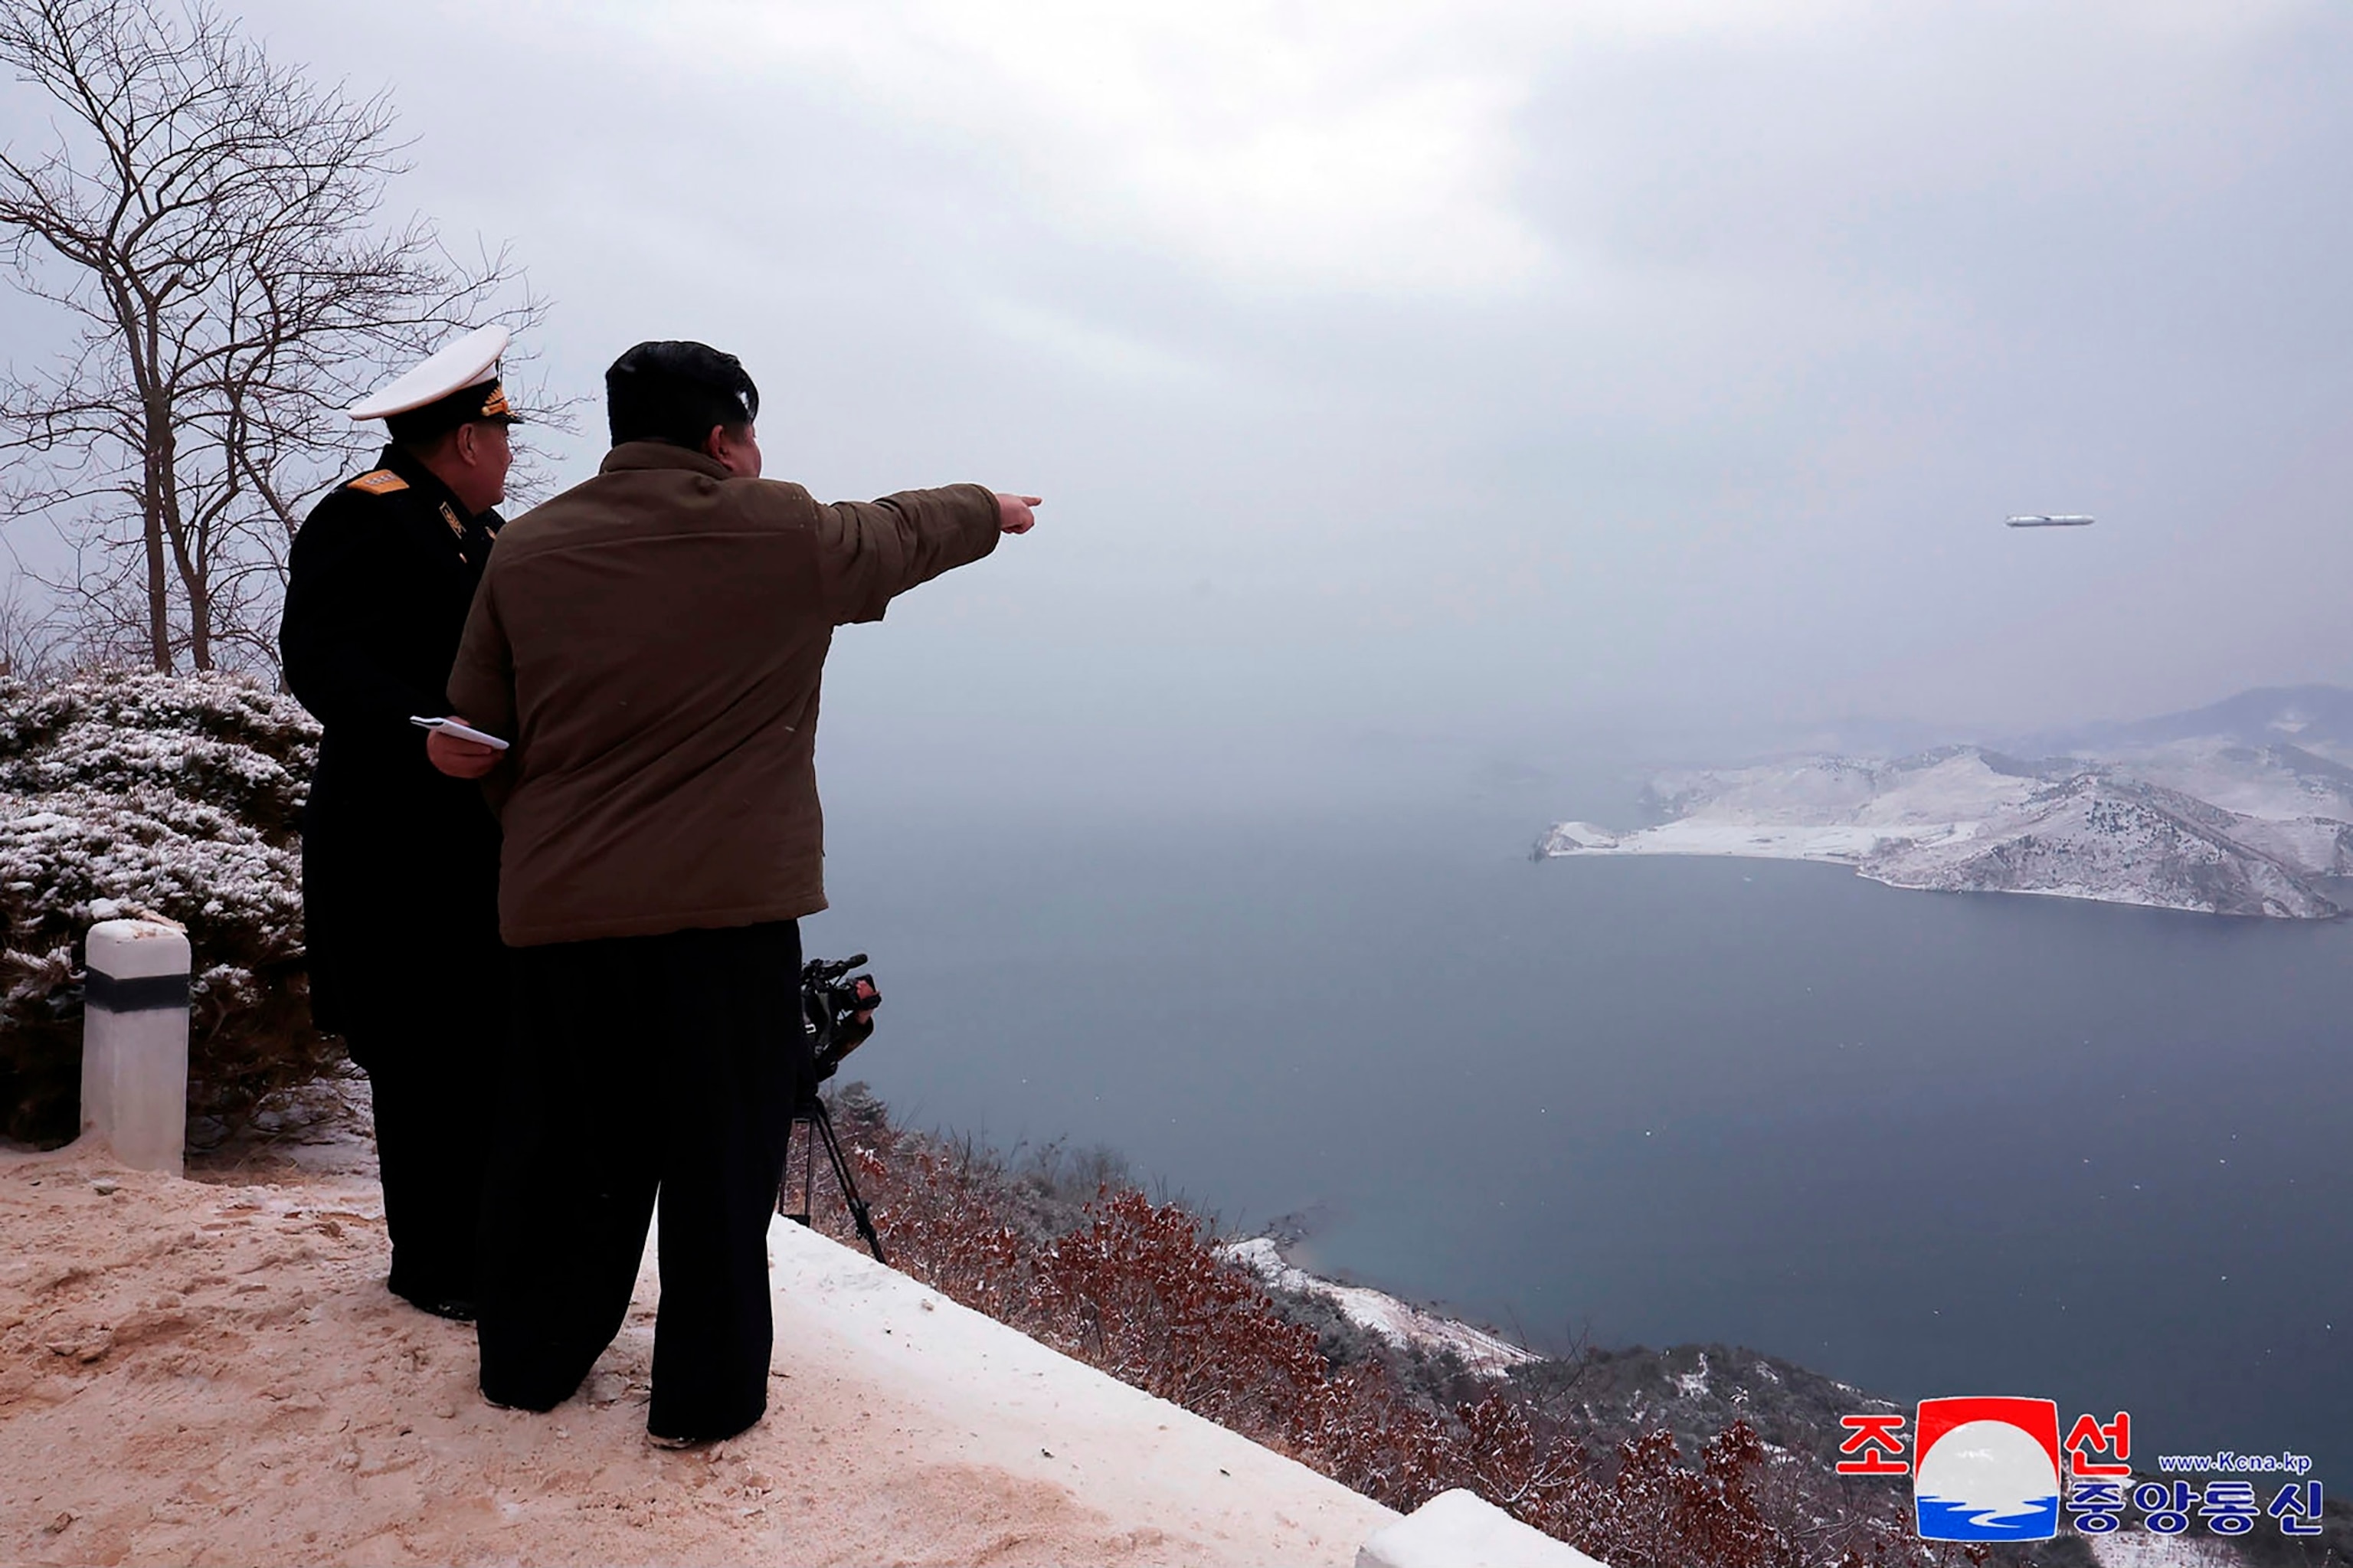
(643,1069)
(431,1130)
(433,1080)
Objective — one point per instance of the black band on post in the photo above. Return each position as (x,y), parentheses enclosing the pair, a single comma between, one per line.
(148,994)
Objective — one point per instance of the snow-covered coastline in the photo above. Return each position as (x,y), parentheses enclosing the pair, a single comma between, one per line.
(2208,824)
(1403,1326)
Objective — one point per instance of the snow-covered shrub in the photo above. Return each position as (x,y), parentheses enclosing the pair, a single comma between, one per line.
(170,795)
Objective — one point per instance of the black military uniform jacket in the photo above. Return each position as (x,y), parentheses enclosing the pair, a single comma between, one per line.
(399,861)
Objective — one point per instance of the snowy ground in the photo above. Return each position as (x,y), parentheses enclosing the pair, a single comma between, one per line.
(212,1371)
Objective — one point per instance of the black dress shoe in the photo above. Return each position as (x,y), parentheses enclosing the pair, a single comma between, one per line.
(456,1309)
(703,1440)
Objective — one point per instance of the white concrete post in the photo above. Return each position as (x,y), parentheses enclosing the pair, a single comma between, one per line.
(134,1042)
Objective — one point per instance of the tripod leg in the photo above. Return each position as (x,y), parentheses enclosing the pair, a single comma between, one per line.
(801,1216)
(808,1172)
(821,1124)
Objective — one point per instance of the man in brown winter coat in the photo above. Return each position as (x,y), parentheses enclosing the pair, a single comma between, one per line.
(652,642)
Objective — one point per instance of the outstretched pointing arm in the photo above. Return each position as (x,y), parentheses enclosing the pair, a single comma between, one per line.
(874,551)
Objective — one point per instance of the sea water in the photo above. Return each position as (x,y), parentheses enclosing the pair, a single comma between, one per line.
(1930,1144)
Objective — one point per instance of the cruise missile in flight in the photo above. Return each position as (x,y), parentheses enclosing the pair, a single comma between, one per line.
(2050,520)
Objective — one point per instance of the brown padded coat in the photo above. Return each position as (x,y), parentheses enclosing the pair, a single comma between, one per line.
(652,641)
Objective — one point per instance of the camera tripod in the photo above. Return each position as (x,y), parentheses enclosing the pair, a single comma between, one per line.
(813,1112)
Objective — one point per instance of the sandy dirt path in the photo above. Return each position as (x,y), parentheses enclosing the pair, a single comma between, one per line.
(212,1371)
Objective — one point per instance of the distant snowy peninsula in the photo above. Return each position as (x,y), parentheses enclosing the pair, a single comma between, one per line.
(2250,818)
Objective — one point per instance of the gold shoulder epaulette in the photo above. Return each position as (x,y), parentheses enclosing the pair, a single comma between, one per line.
(383,482)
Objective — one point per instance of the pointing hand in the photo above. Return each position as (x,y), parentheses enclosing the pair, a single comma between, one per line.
(1013,513)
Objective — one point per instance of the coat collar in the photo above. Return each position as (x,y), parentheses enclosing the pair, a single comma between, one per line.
(472,531)
(423,480)
(633,456)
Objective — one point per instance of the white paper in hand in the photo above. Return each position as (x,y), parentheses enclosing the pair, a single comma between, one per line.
(463,732)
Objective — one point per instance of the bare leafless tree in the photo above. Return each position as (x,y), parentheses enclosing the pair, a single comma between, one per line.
(28,643)
(209,220)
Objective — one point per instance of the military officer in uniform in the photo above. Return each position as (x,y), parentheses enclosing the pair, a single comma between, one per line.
(399,861)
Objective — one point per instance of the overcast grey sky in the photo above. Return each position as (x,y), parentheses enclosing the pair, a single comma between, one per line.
(1476,369)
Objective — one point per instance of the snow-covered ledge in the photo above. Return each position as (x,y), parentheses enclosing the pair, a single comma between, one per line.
(848,1328)
(1462,1529)
(134,1050)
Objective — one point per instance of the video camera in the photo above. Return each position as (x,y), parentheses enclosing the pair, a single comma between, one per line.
(837,1009)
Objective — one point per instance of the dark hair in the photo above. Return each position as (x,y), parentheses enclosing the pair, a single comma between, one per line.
(676,391)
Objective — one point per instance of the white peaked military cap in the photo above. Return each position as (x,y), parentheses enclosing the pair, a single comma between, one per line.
(460,368)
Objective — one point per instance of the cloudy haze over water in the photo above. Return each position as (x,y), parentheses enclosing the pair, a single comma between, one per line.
(1477,372)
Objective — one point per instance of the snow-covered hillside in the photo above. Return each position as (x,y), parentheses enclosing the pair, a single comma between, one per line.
(2211,824)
